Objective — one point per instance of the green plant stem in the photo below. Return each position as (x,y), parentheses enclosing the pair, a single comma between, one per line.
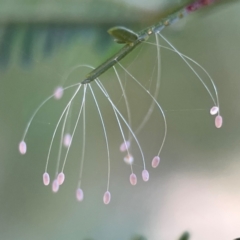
(143,35)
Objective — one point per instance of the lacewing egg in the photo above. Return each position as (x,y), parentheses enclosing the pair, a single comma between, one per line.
(145,175)
(58,93)
(22,147)
(67,139)
(107,197)
(155,161)
(79,194)
(46,179)
(124,146)
(129,159)
(218,121)
(55,186)
(214,110)
(133,179)
(61,178)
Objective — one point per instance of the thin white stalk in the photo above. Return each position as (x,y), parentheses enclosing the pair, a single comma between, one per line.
(75,127)
(159,106)
(55,130)
(155,95)
(83,146)
(61,140)
(40,106)
(126,101)
(105,135)
(124,120)
(196,74)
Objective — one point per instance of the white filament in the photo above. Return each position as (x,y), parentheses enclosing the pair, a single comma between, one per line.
(159,106)
(116,111)
(158,83)
(75,127)
(55,130)
(196,74)
(127,107)
(61,140)
(83,148)
(40,106)
(105,134)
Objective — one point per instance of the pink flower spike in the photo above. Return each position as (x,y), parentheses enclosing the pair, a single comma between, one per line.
(124,146)
(22,147)
(155,161)
(129,159)
(58,93)
(214,110)
(218,121)
(60,178)
(55,186)
(79,194)
(107,197)
(145,175)
(133,179)
(46,179)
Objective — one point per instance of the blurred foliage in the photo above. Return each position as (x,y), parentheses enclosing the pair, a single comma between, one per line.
(185,236)
(60,23)
(82,12)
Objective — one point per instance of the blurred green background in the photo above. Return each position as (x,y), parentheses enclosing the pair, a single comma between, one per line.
(196,185)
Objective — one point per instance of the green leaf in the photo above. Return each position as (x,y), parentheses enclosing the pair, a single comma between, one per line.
(185,236)
(123,35)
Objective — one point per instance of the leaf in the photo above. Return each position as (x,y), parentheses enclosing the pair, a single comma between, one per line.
(123,35)
(185,236)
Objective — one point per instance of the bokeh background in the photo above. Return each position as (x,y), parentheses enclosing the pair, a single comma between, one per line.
(195,188)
